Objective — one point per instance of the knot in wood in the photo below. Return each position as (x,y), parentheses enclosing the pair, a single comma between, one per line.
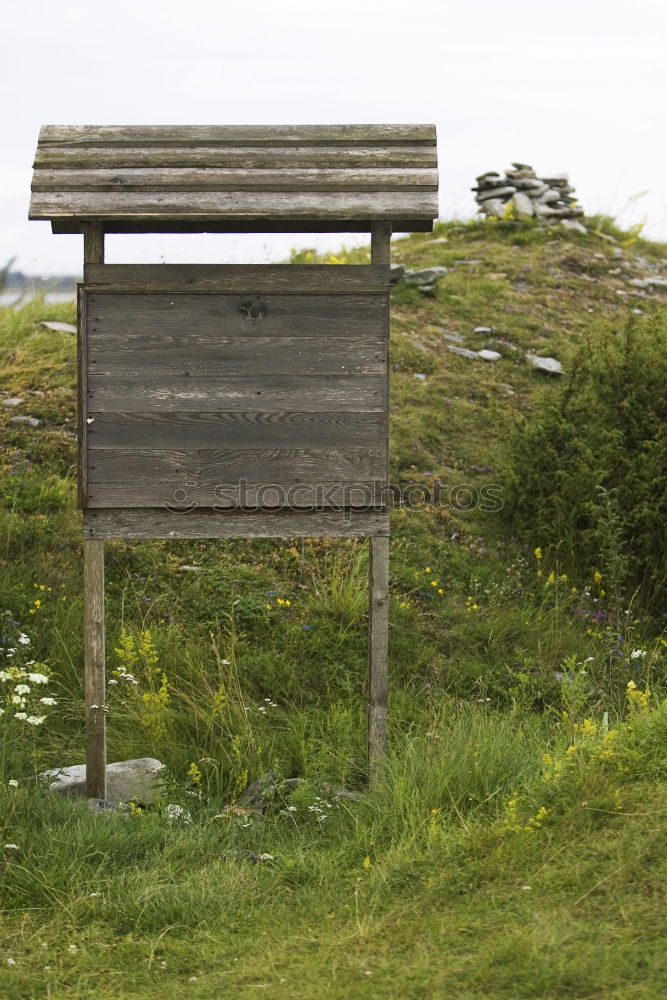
(252,309)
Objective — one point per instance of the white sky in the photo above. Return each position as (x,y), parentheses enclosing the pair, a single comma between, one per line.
(569,87)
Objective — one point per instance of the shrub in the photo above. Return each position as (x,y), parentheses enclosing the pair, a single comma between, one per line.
(600,439)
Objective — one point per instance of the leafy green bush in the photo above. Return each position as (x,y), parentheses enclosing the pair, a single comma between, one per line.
(587,470)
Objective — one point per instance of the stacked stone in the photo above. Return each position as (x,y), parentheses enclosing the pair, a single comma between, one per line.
(530,196)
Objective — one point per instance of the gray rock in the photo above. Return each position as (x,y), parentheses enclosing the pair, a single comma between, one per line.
(428,276)
(550,195)
(529,183)
(420,376)
(455,338)
(487,355)
(522,205)
(523,167)
(12,401)
(549,365)
(463,351)
(105,806)
(537,192)
(258,794)
(26,421)
(573,226)
(483,329)
(58,327)
(126,779)
(488,176)
(499,192)
(396,272)
(494,206)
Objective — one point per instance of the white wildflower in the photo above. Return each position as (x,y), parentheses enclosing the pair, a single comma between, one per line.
(35,720)
(17,699)
(112,681)
(48,701)
(13,783)
(637,654)
(11,961)
(21,716)
(22,689)
(72,949)
(12,847)
(38,678)
(24,640)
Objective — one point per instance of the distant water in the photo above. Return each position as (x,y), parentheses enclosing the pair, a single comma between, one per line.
(15,298)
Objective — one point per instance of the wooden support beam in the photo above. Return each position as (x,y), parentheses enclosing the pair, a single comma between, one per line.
(95,685)
(93,584)
(380,240)
(378,652)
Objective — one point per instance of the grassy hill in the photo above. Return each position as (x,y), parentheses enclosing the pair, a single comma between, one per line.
(513,845)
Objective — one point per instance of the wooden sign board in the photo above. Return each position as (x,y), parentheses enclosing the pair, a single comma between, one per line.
(232,392)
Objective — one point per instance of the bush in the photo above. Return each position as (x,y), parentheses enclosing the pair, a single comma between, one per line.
(587,470)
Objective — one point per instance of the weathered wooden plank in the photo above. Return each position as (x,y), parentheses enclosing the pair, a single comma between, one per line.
(268,157)
(378,653)
(287,278)
(94,679)
(176,495)
(252,204)
(239,224)
(236,524)
(235,430)
(212,319)
(93,253)
(286,466)
(202,393)
(232,356)
(236,134)
(210,179)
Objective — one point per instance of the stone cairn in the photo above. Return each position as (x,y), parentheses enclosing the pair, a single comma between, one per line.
(527,195)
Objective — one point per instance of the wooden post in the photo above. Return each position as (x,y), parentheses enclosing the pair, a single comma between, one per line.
(95,686)
(378,583)
(380,237)
(378,651)
(93,592)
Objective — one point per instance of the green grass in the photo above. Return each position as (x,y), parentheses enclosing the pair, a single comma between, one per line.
(257,662)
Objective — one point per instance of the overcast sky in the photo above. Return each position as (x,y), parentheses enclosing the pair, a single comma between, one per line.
(569,87)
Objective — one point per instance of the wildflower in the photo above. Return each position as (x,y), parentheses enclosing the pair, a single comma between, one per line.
(24,640)
(13,783)
(636,654)
(72,949)
(35,720)
(21,716)
(195,774)
(597,576)
(17,699)
(22,689)
(538,553)
(95,895)
(12,847)
(367,862)
(11,961)
(552,577)
(428,569)
(38,678)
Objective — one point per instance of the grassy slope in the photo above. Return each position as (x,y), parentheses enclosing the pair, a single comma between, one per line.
(418,890)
